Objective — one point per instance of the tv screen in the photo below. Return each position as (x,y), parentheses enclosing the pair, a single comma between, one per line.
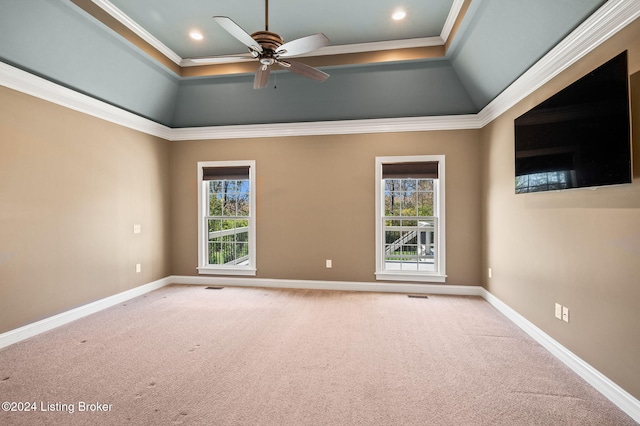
(580,137)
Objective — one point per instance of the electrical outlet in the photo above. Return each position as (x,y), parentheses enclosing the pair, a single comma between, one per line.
(558,311)
(137,229)
(565,314)
(490,273)
(138,267)
(328,263)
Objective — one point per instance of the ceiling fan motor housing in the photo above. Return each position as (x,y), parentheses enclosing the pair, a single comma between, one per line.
(268,40)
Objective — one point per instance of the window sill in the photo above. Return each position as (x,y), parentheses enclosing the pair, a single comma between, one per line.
(410,276)
(209,270)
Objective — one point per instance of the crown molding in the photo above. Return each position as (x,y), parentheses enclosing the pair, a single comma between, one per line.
(456,7)
(440,40)
(595,30)
(318,128)
(22,81)
(410,43)
(119,15)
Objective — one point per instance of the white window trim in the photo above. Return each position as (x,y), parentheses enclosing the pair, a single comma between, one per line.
(203,267)
(439,275)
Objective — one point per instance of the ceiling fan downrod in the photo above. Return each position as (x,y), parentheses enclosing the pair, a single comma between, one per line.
(266,39)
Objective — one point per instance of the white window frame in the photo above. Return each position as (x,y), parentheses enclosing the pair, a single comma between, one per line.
(203,205)
(439,275)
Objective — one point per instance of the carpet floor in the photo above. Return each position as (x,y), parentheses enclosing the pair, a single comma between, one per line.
(248,356)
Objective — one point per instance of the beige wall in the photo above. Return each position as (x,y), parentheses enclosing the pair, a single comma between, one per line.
(315,201)
(71,189)
(579,248)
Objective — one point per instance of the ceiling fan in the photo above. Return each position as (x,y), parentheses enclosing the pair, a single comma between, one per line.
(269,48)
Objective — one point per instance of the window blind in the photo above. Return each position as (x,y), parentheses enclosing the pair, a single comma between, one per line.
(416,170)
(225,173)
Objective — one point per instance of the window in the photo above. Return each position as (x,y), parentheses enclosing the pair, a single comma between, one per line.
(410,240)
(226,222)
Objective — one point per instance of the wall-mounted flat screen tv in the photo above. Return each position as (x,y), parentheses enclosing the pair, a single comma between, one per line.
(580,137)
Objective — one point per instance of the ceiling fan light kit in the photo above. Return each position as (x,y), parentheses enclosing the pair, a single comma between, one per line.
(268,47)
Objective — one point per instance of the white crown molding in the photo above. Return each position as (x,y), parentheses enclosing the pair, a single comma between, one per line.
(408,43)
(451,20)
(116,13)
(22,81)
(17,79)
(595,30)
(377,46)
(381,125)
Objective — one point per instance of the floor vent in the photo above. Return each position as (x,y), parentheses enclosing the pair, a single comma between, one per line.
(418,296)
(213,288)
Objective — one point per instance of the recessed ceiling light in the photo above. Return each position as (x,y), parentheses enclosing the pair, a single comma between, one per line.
(196,35)
(398,15)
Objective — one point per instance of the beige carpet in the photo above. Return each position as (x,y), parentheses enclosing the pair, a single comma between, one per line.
(241,356)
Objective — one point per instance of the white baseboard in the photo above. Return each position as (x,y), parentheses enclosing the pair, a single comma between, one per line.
(459,290)
(621,398)
(30,330)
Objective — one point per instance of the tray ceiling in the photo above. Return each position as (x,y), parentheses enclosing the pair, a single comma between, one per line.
(446,57)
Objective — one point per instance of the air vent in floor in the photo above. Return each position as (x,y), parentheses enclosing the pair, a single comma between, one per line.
(418,296)
(213,288)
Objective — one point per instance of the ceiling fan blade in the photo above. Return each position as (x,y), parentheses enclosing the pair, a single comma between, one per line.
(235,30)
(304,70)
(262,76)
(222,59)
(302,45)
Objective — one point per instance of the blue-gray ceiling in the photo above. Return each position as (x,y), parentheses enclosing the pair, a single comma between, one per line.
(505,38)
(391,90)
(355,21)
(497,41)
(56,40)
